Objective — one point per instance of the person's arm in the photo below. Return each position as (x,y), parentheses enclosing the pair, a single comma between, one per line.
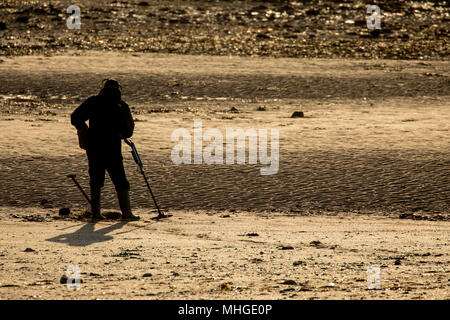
(79,117)
(128,127)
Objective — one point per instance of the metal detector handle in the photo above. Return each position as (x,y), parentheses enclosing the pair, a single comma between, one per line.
(134,153)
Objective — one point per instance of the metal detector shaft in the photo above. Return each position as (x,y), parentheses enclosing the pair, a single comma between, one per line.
(138,161)
(150,189)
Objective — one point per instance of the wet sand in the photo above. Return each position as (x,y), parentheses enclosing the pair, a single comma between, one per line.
(355,150)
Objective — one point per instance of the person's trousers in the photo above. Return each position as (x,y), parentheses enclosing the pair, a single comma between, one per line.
(113,163)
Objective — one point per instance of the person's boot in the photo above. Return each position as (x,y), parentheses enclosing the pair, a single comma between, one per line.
(125,206)
(95,204)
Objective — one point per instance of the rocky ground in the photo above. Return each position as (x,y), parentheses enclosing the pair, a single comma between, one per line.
(316,28)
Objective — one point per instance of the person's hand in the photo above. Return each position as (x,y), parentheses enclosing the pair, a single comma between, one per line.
(83,138)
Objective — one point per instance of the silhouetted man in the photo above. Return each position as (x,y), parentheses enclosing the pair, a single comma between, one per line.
(110,121)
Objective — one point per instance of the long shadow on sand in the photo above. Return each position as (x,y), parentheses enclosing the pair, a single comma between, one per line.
(87,235)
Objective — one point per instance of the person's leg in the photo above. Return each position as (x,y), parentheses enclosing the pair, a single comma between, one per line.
(97,179)
(117,174)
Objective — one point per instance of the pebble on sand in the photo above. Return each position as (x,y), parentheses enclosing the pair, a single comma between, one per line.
(316,243)
(64,211)
(252,234)
(224,287)
(63,279)
(286,248)
(298,114)
(45,203)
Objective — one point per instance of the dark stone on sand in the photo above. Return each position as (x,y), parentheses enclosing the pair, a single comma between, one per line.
(315,243)
(2,26)
(288,9)
(64,211)
(298,263)
(398,262)
(286,248)
(287,290)
(92,274)
(147,275)
(297,114)
(289,282)
(252,234)
(375,33)
(262,36)
(143,4)
(22,19)
(261,109)
(43,202)
(312,12)
(29,250)
(233,109)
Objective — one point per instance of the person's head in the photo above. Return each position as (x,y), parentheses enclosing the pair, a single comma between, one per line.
(111,88)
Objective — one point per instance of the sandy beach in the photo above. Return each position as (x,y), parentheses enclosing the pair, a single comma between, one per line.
(362,181)
(226,255)
(362,177)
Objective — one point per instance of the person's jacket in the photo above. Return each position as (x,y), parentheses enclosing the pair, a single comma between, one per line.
(110,120)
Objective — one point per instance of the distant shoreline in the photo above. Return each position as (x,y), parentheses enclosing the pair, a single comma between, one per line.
(409,29)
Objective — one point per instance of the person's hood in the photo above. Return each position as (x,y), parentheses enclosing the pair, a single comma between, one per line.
(111,93)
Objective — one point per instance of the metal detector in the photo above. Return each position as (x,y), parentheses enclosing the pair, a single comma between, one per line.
(138,161)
